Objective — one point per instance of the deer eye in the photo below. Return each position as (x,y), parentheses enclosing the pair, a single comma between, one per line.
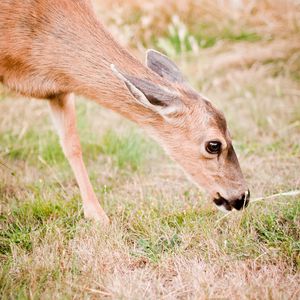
(213,147)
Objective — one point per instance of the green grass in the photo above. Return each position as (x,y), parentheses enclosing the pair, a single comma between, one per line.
(32,145)
(150,235)
(35,218)
(156,231)
(179,39)
(127,150)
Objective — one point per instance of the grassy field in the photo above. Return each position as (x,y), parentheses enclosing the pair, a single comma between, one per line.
(166,239)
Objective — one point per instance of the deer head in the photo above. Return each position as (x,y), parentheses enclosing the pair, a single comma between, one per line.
(192,131)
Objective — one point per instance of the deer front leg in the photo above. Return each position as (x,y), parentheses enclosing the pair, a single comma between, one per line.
(64,118)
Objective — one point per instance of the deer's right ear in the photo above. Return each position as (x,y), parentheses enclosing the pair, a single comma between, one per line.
(163,66)
(151,95)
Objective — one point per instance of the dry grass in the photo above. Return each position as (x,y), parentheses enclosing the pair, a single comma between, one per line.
(166,240)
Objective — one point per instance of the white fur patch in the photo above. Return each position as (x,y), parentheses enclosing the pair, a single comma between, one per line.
(222,208)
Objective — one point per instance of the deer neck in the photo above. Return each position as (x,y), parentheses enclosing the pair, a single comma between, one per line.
(88,72)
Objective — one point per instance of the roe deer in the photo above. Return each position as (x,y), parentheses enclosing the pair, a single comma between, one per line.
(53,49)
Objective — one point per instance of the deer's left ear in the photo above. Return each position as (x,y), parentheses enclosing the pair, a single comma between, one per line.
(163,66)
(153,96)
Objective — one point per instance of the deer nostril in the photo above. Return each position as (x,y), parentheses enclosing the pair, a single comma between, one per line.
(221,202)
(242,202)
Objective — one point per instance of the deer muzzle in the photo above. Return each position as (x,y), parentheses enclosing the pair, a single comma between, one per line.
(238,204)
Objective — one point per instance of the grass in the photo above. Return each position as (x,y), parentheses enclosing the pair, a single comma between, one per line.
(166,240)
(127,150)
(179,40)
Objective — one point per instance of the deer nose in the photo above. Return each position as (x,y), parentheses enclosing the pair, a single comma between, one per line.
(242,202)
(238,204)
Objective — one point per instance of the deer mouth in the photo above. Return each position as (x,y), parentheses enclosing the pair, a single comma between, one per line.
(238,204)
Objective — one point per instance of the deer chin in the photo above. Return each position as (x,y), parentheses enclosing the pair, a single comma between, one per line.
(222,209)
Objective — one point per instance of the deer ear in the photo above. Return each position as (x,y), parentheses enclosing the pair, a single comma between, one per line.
(163,66)
(150,95)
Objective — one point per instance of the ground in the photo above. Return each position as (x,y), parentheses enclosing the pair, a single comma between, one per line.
(166,239)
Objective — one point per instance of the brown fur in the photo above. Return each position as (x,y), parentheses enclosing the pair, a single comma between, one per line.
(50,49)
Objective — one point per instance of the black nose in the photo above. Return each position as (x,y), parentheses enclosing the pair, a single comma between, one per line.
(222,202)
(241,202)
